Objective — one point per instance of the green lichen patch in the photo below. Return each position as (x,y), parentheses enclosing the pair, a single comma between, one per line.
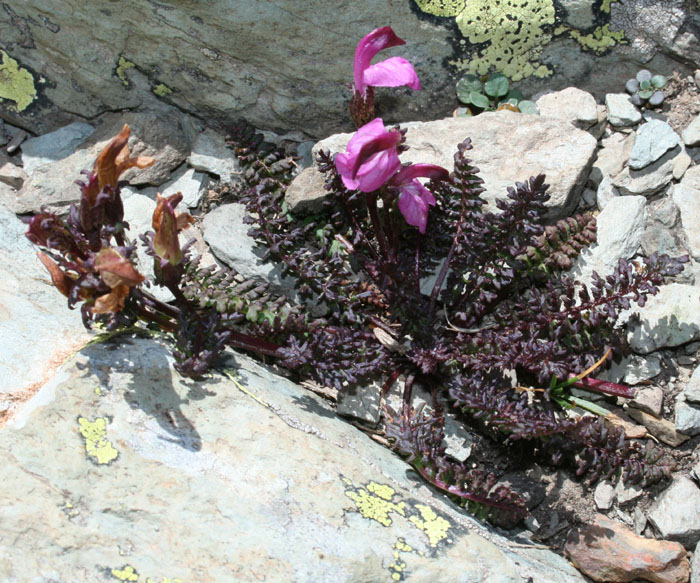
(513,31)
(605,6)
(98,448)
(442,7)
(434,526)
(375,502)
(16,84)
(123,66)
(162,90)
(126,573)
(600,40)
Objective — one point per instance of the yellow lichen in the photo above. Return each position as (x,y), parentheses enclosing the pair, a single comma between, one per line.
(397,566)
(600,40)
(128,573)
(515,32)
(434,526)
(122,66)
(605,6)
(161,90)
(16,83)
(442,7)
(97,445)
(375,502)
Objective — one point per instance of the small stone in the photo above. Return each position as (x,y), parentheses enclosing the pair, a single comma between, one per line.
(670,318)
(695,561)
(56,145)
(531,524)
(681,164)
(571,104)
(640,521)
(676,514)
(10,173)
(627,492)
(650,179)
(361,402)
(611,158)
(649,399)
(604,496)
(691,391)
(306,193)
(691,134)
(662,429)
(621,111)
(687,418)
(609,552)
(211,154)
(688,201)
(588,198)
(652,141)
(605,193)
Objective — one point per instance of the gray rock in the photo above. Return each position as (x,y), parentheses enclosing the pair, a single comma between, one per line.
(648,180)
(681,164)
(649,399)
(653,140)
(158,134)
(619,228)
(605,193)
(687,199)
(687,418)
(306,193)
(621,111)
(37,331)
(691,391)
(11,174)
(633,369)
(676,514)
(226,233)
(190,183)
(508,147)
(670,318)
(691,134)
(612,157)
(695,566)
(361,402)
(56,145)
(604,496)
(238,479)
(627,492)
(571,104)
(579,13)
(210,154)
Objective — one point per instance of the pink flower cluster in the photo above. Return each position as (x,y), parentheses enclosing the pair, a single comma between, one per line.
(371,159)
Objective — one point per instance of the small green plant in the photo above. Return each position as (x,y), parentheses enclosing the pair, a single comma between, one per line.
(646,89)
(490,93)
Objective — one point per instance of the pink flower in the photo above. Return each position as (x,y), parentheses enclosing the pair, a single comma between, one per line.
(392,72)
(371,157)
(414,198)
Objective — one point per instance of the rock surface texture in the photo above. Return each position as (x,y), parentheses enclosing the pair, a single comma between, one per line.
(286,64)
(132,469)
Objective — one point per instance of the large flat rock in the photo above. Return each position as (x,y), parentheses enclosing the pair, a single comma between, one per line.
(508,147)
(120,468)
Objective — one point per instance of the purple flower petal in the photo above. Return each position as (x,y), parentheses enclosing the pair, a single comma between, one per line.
(392,72)
(414,208)
(408,173)
(377,40)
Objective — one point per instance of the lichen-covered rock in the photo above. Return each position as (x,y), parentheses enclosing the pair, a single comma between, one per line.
(125,471)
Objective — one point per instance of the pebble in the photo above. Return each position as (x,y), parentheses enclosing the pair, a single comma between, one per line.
(610,552)
(604,496)
(676,514)
(681,164)
(687,418)
(652,141)
(621,111)
(210,154)
(662,429)
(649,399)
(691,134)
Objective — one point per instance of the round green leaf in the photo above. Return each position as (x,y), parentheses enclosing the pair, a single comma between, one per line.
(467,85)
(643,75)
(479,100)
(527,106)
(645,93)
(515,94)
(658,81)
(497,85)
(645,85)
(656,99)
